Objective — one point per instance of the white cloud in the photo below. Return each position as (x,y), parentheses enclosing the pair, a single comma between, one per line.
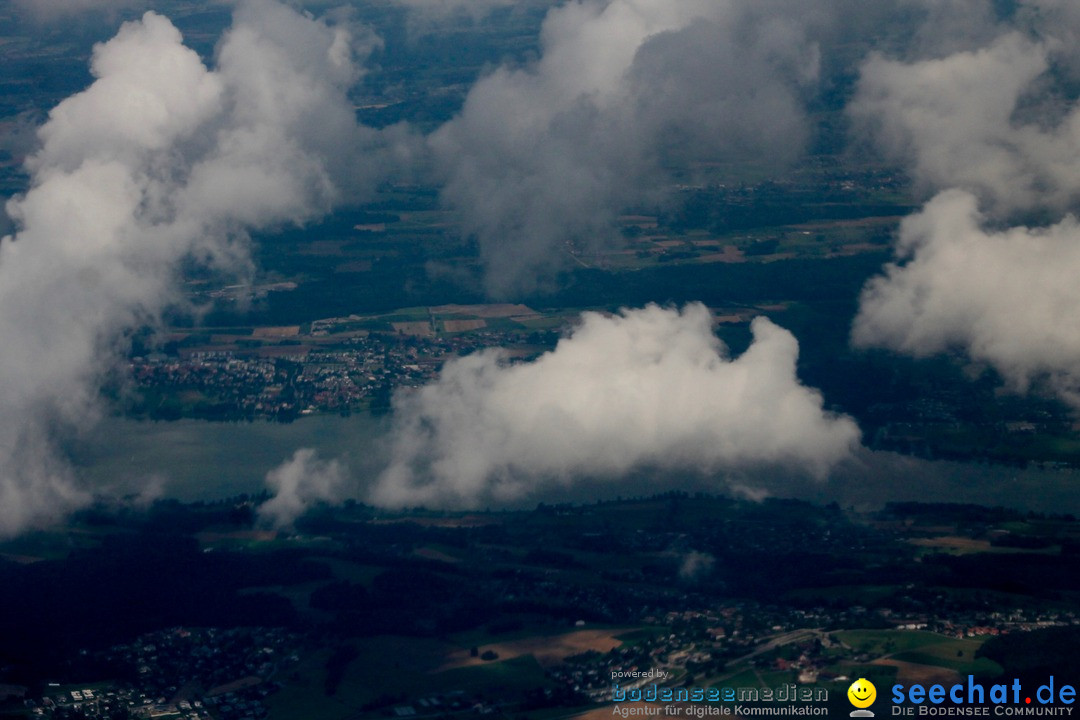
(695,566)
(951,121)
(160,160)
(990,120)
(644,388)
(298,484)
(546,155)
(1008,298)
(1059,22)
(994,129)
(128,110)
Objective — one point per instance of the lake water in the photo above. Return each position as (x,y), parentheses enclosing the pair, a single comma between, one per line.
(193,459)
(199,460)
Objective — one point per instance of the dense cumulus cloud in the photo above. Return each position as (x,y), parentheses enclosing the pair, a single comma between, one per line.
(647,388)
(954,122)
(995,131)
(1009,298)
(542,157)
(298,484)
(160,161)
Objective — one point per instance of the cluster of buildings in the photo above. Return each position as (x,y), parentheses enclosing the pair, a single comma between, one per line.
(572,566)
(181,674)
(701,646)
(247,385)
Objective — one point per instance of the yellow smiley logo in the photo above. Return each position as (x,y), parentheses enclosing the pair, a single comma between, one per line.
(862,693)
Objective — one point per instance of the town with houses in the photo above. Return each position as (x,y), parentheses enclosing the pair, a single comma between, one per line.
(632,628)
(205,674)
(277,373)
